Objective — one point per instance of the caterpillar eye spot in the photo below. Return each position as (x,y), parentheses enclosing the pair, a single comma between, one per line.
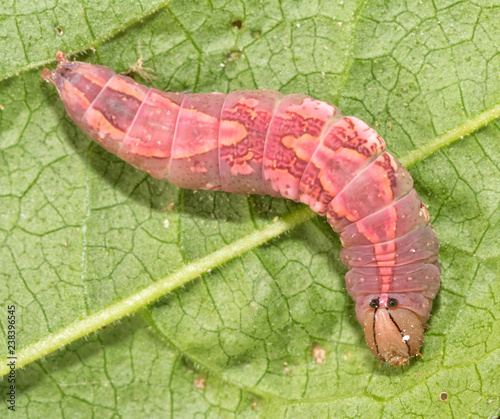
(374,303)
(392,302)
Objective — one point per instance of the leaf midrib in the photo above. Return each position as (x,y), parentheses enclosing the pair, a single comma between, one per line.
(91,45)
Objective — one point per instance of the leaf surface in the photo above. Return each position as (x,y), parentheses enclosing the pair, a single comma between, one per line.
(82,231)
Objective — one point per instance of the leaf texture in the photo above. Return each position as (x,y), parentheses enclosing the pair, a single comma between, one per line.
(81,231)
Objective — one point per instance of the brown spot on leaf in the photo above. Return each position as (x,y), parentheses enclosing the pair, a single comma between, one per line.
(319,354)
(237,24)
(233,56)
(200,383)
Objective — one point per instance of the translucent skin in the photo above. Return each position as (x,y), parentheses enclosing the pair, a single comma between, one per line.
(295,147)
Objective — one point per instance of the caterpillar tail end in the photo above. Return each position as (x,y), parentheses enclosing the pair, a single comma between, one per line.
(77,83)
(393,335)
(50,76)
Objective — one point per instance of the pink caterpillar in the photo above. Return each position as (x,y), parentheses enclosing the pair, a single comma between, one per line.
(261,142)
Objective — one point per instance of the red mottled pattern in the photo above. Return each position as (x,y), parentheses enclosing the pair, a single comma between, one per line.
(244,125)
(287,146)
(293,135)
(348,146)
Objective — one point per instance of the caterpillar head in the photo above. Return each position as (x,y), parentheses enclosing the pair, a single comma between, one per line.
(393,334)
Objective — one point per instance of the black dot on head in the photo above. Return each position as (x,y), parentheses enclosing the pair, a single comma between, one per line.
(392,302)
(237,23)
(374,303)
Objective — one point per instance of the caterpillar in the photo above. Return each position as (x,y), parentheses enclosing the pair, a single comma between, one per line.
(295,147)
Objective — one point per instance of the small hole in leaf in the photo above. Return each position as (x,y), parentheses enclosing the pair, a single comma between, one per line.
(443,396)
(237,24)
(59,31)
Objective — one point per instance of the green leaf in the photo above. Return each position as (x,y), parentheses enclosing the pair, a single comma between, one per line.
(86,239)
